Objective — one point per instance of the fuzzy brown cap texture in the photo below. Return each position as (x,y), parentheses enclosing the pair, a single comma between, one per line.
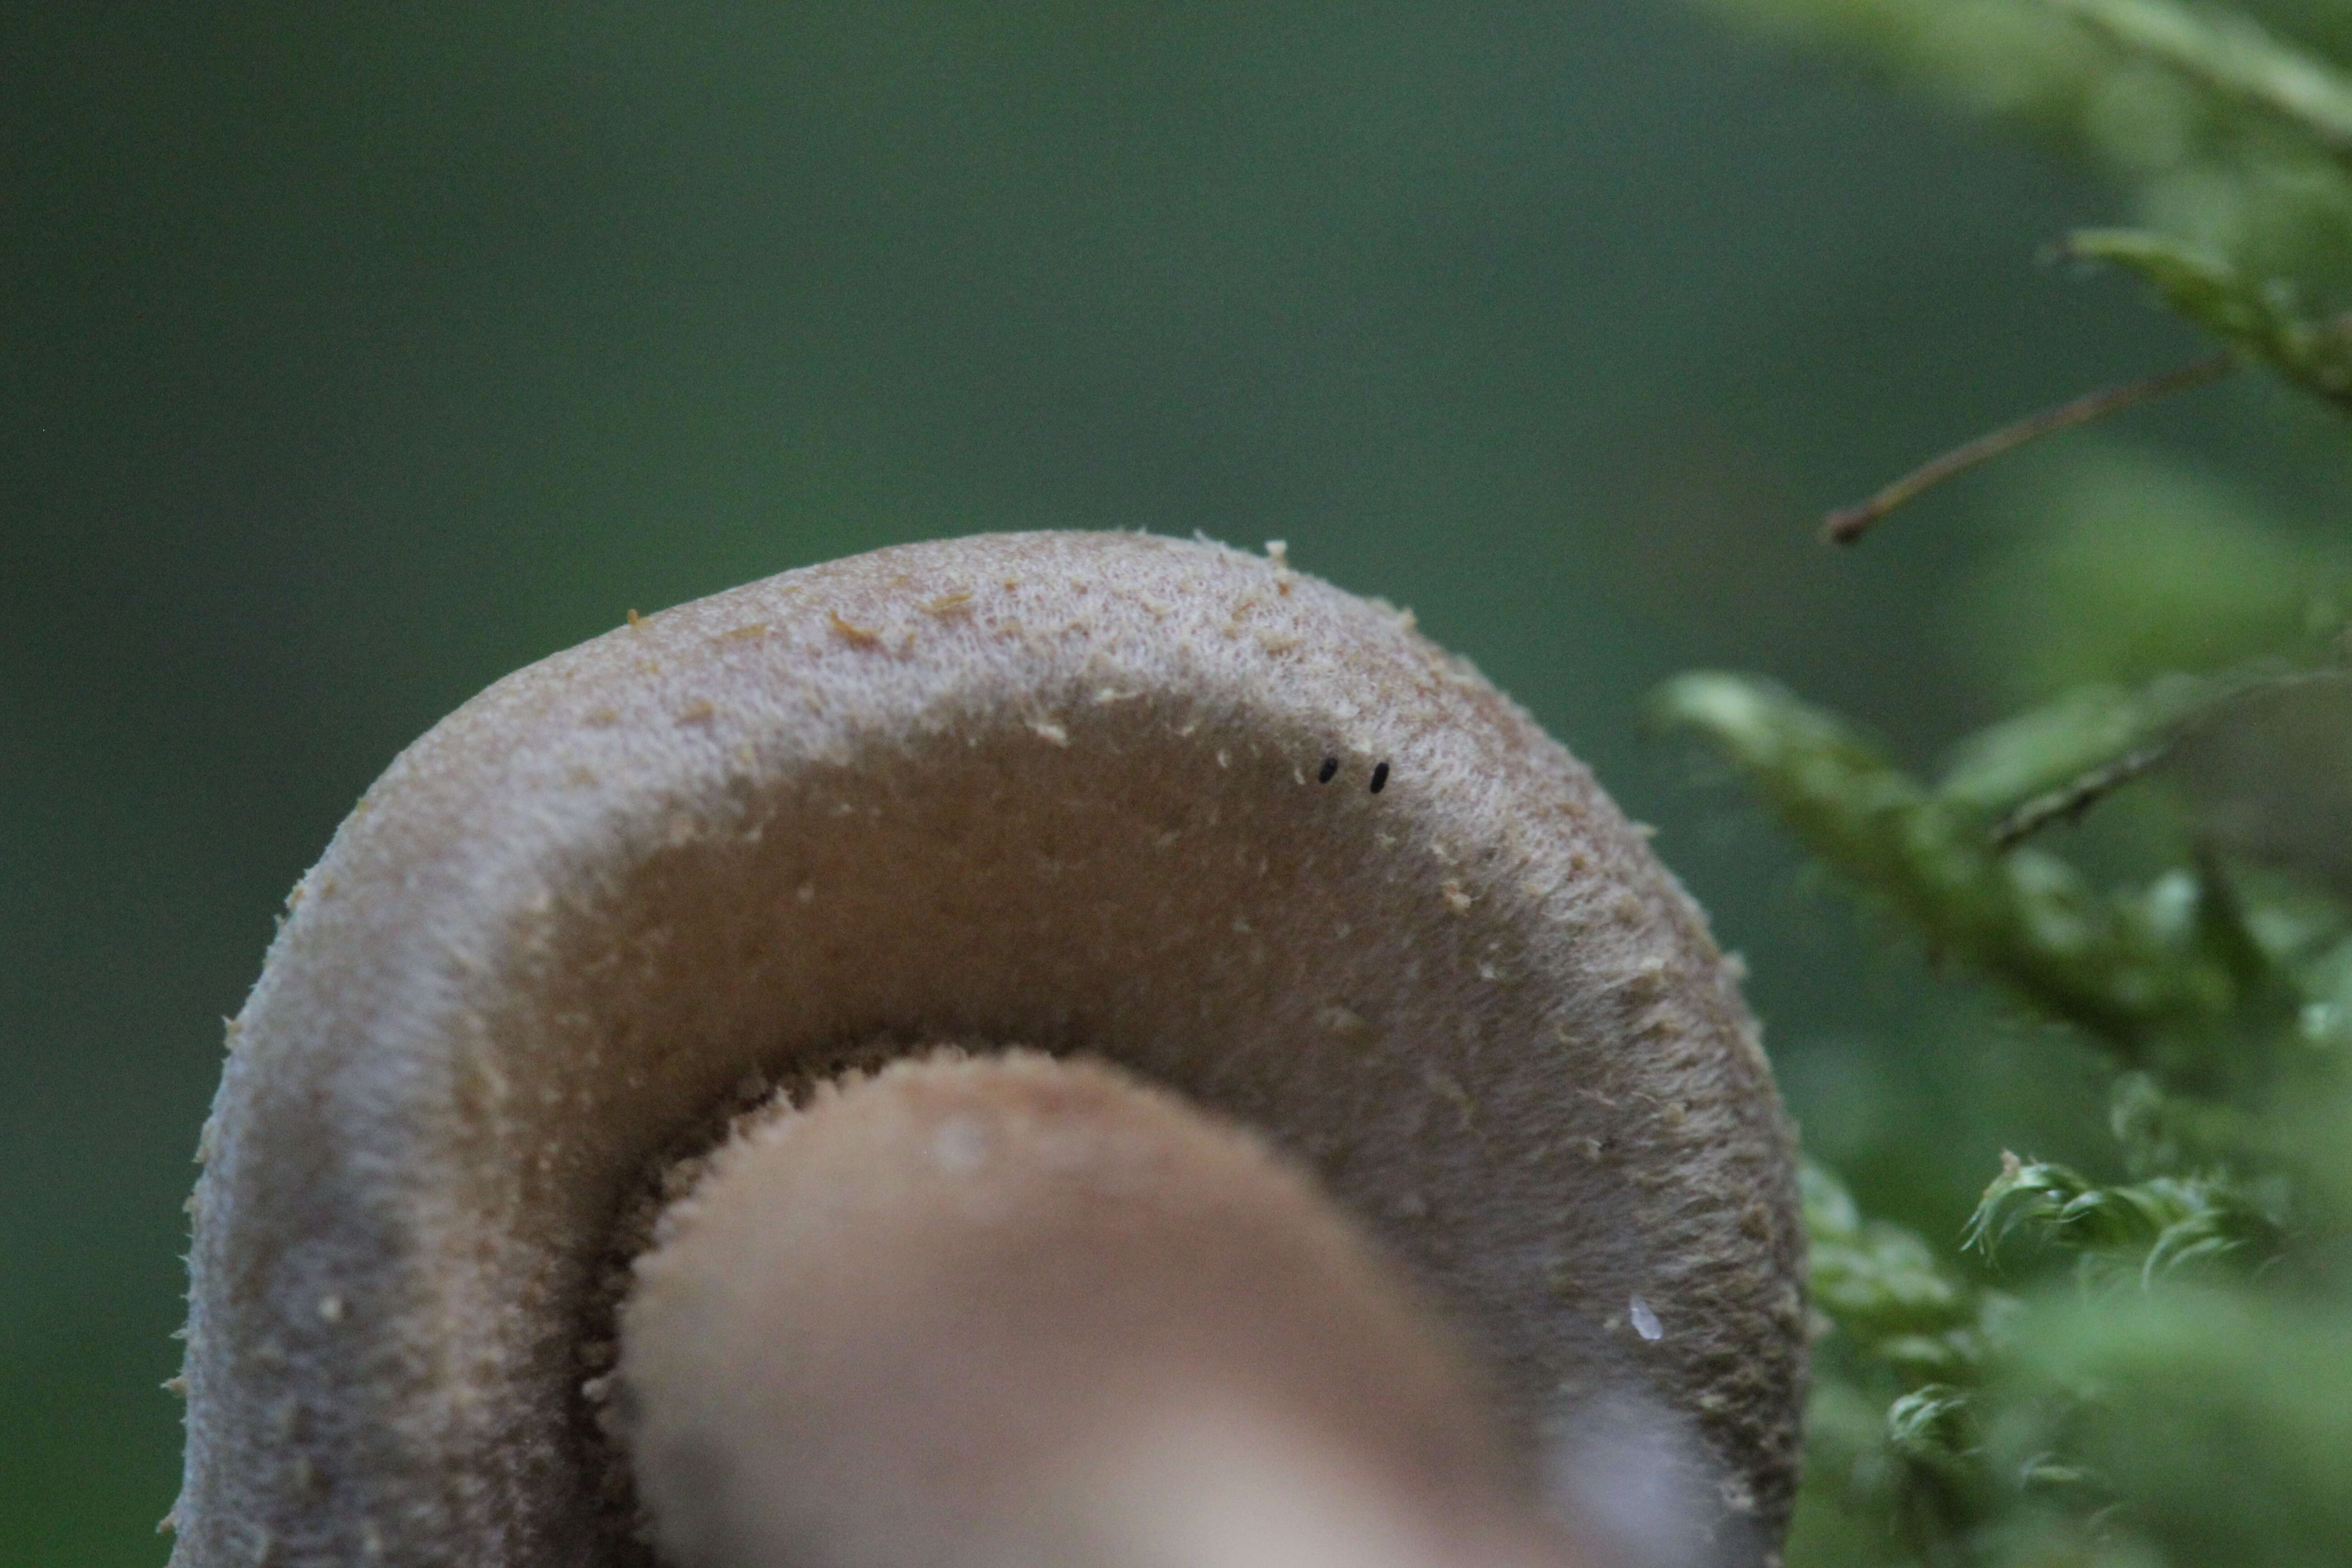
(1166,804)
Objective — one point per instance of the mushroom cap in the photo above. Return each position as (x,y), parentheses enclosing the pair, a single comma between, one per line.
(1059,790)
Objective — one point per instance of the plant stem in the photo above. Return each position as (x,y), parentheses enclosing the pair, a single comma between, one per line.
(1847,526)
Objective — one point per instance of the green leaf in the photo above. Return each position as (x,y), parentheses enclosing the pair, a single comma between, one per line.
(2046,749)
(1930,1425)
(2154,1228)
(2262,319)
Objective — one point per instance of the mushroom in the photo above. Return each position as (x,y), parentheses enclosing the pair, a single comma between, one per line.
(622,1020)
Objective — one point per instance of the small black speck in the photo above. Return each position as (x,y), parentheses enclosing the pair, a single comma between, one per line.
(1379,778)
(1330,766)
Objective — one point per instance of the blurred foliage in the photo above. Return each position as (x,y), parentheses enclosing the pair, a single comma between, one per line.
(2148,1362)
(2144,566)
(2013,1428)
(2231,134)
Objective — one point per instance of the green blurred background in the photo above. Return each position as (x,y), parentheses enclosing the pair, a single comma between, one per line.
(350,358)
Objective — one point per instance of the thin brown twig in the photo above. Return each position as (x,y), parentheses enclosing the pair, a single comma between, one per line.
(2068,801)
(1846,526)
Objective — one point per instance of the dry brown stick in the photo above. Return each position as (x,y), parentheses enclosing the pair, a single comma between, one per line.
(2068,801)
(1848,525)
